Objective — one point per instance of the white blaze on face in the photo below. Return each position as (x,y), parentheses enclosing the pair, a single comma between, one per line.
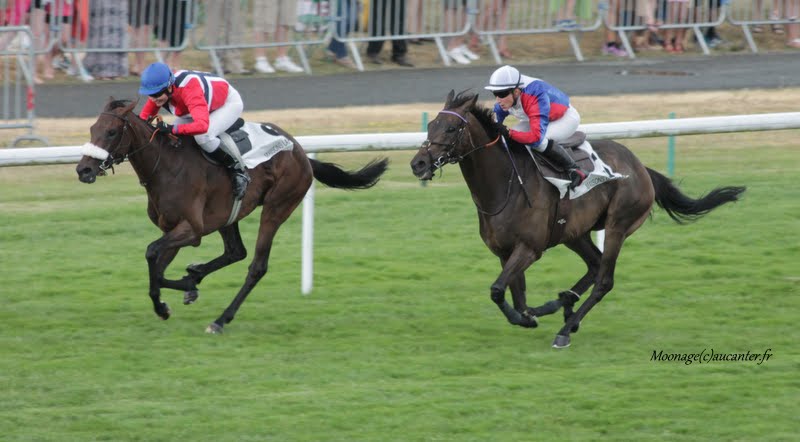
(94,151)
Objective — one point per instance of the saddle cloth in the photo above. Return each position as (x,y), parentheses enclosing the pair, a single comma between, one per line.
(256,143)
(587,159)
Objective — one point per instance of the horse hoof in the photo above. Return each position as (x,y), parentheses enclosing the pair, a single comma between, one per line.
(561,341)
(214,329)
(190,297)
(164,312)
(529,320)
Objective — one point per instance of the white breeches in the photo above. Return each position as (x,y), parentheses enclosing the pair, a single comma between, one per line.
(218,121)
(558,130)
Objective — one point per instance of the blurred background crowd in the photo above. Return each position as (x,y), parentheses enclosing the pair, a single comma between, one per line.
(112,39)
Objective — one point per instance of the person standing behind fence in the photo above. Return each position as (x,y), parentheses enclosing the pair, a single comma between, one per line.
(346,20)
(107,29)
(274,17)
(224,27)
(173,16)
(455,19)
(394,24)
(678,13)
(793,29)
(495,18)
(613,46)
(47,15)
(140,19)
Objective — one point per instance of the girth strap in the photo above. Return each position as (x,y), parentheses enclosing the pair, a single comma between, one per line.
(559,221)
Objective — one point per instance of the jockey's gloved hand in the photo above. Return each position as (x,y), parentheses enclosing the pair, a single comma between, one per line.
(164,127)
(501,130)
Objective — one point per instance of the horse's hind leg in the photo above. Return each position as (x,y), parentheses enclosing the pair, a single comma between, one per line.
(604,282)
(590,254)
(275,213)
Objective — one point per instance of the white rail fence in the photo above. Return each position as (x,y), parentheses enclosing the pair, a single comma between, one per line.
(412,140)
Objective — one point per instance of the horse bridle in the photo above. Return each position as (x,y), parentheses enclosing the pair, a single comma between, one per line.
(448,157)
(111,161)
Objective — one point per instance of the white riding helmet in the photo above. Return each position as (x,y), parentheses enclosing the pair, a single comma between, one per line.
(506,77)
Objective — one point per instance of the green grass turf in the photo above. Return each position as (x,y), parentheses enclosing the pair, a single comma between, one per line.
(399,340)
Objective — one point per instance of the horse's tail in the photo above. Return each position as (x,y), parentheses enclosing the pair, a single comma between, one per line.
(682,208)
(332,175)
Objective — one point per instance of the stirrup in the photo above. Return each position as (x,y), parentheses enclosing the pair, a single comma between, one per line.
(577,176)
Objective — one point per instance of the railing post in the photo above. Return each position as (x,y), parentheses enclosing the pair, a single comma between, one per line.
(308,238)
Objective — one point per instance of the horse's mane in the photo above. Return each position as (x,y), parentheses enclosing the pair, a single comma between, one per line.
(484,115)
(117,104)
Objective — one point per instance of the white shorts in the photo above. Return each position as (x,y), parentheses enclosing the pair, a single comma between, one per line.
(558,130)
(218,121)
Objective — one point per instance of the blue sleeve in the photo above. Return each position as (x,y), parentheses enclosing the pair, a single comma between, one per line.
(499,113)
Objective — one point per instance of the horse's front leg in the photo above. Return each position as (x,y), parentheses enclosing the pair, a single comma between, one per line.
(514,272)
(234,252)
(159,254)
(519,297)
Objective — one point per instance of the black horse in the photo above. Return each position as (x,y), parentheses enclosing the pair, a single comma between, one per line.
(189,198)
(519,222)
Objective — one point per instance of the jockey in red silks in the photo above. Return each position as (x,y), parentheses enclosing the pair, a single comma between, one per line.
(544,114)
(205,106)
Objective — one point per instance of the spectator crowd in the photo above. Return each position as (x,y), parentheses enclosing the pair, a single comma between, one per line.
(105,40)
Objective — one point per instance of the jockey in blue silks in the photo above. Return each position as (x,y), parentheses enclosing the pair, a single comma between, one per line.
(544,113)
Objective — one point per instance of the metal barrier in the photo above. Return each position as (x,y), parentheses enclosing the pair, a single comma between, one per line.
(623,16)
(753,17)
(97,27)
(17,62)
(396,22)
(226,26)
(501,18)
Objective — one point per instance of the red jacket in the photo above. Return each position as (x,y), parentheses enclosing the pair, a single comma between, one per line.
(196,94)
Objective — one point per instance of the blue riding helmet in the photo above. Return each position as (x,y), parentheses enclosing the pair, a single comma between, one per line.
(156,78)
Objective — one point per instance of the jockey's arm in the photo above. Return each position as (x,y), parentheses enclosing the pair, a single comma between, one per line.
(537,108)
(149,110)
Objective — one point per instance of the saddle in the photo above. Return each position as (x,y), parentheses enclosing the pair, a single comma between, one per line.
(253,143)
(570,145)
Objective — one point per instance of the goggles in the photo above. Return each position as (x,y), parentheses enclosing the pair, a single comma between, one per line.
(502,94)
(159,93)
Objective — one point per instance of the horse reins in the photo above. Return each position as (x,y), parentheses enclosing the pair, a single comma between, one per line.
(450,159)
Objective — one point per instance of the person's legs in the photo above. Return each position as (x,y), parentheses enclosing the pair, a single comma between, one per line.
(219,121)
(265,13)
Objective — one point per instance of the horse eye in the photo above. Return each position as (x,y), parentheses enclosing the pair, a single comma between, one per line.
(451,129)
(111,133)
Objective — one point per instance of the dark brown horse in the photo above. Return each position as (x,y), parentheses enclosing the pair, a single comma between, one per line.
(189,198)
(517,221)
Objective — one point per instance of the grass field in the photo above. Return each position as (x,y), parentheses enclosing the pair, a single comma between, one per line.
(399,340)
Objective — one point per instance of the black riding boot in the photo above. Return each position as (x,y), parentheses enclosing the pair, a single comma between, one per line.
(239,174)
(555,153)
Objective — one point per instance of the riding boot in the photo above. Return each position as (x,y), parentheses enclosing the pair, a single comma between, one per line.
(555,153)
(239,174)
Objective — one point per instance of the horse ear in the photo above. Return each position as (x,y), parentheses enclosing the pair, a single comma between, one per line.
(131,106)
(449,99)
(474,100)
(111,99)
